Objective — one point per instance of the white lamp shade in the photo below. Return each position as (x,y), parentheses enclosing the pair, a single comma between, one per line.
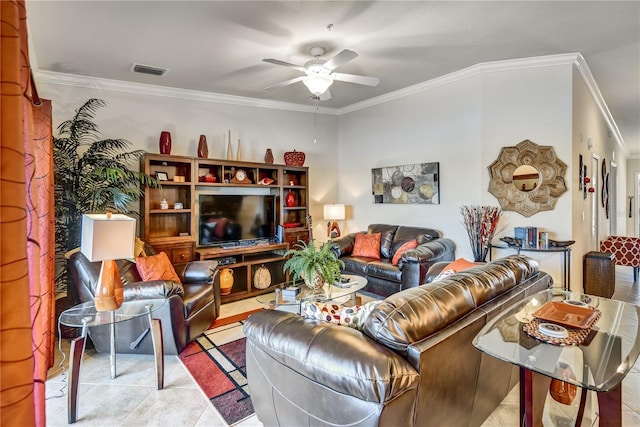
(108,238)
(334,211)
(317,83)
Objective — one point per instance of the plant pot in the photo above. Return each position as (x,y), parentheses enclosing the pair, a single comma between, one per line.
(316,281)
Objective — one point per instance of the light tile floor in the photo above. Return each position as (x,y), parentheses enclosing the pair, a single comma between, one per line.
(132,398)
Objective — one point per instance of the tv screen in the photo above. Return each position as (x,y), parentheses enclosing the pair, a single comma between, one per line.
(224,218)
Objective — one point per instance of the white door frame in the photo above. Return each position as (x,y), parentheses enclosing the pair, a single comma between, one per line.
(595,171)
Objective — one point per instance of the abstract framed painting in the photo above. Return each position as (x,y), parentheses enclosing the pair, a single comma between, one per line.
(417,183)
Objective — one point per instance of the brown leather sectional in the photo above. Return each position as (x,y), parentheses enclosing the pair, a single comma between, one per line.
(412,365)
(384,278)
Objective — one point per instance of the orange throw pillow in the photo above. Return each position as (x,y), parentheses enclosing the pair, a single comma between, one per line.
(156,267)
(459,265)
(411,244)
(367,245)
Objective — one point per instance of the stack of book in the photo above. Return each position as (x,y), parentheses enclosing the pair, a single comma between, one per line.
(531,238)
(290,292)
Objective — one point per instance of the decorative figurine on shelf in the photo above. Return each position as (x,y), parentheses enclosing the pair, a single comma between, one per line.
(165,142)
(229,148)
(203,150)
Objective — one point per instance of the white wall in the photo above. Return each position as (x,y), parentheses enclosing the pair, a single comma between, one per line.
(462,125)
(140,118)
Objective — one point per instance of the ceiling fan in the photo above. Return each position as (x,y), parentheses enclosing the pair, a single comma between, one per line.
(319,74)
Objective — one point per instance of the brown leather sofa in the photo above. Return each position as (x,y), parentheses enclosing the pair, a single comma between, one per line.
(190,308)
(384,278)
(413,364)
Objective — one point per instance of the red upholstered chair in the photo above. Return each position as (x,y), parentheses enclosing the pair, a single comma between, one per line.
(625,249)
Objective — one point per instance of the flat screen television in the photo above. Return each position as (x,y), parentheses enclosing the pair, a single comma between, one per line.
(226,219)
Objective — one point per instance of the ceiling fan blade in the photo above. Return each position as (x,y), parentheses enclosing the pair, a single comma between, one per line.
(325,96)
(342,58)
(284,64)
(286,83)
(353,78)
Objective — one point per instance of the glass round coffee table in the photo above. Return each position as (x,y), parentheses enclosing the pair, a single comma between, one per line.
(85,315)
(289,296)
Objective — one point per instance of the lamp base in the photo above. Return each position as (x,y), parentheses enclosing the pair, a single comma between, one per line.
(333,231)
(109,292)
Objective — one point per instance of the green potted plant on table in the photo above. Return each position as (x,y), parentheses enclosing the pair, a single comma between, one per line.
(316,265)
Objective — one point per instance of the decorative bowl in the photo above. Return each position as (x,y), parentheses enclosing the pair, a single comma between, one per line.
(294,158)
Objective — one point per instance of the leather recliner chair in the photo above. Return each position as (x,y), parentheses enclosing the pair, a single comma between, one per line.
(190,308)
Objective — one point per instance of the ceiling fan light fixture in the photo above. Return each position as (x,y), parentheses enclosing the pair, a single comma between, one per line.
(317,83)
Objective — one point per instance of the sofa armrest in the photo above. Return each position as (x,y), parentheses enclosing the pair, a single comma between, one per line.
(343,245)
(152,289)
(197,271)
(432,252)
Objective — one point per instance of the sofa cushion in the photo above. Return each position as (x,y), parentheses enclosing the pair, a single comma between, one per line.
(456,266)
(353,317)
(156,267)
(367,245)
(355,265)
(402,248)
(421,234)
(416,313)
(383,269)
(388,233)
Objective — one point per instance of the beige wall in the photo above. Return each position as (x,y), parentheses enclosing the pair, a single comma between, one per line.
(593,140)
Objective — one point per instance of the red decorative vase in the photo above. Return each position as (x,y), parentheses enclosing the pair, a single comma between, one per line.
(165,142)
(203,150)
(294,158)
(290,200)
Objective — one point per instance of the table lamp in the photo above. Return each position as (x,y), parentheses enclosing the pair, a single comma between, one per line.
(106,238)
(332,213)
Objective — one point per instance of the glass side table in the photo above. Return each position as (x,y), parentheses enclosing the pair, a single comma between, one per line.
(600,362)
(279,301)
(84,316)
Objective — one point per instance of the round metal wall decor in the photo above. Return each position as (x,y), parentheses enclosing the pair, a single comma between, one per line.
(529,201)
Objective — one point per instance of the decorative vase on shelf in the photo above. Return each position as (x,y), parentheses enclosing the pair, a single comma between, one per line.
(165,142)
(294,158)
(226,281)
(268,156)
(238,152)
(229,148)
(203,150)
(290,199)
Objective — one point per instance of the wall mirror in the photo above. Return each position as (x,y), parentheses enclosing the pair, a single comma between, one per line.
(527,178)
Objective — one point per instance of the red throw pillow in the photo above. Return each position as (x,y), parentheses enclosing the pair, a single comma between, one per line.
(367,245)
(156,267)
(411,244)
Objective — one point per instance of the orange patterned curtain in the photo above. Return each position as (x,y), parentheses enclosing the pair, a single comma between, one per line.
(26,230)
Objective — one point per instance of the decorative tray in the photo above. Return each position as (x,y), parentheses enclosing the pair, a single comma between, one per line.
(570,315)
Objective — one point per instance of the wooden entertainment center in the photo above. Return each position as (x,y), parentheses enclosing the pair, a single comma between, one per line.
(174,229)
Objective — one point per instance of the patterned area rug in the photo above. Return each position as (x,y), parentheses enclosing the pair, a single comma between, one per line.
(216,361)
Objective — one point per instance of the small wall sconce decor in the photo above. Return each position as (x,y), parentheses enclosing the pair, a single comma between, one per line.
(527,178)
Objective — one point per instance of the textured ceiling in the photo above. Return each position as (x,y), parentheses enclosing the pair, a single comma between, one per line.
(218,46)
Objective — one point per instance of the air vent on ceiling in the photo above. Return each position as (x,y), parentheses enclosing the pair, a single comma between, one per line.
(148,69)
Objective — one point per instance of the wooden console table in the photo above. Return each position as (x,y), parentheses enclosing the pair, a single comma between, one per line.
(566,259)
(244,261)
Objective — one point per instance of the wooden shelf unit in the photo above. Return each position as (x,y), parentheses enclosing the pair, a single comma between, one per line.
(248,260)
(175,230)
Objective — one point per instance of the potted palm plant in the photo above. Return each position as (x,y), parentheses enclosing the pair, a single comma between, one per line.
(91,175)
(316,265)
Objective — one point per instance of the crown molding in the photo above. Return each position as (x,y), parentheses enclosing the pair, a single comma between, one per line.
(582,67)
(575,59)
(465,73)
(76,80)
